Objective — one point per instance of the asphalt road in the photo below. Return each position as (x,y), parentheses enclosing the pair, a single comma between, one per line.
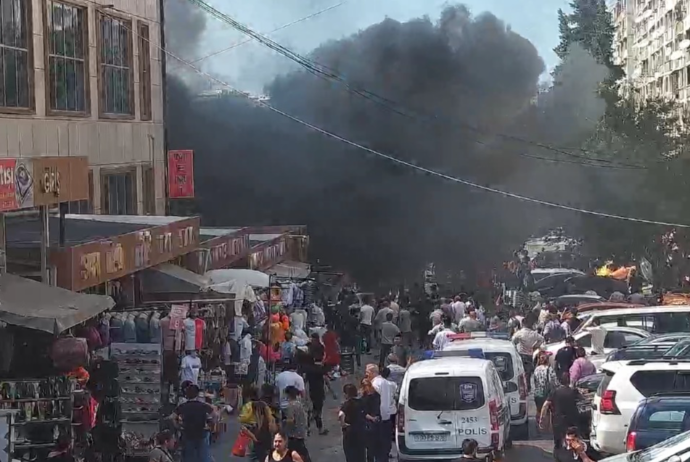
(328,448)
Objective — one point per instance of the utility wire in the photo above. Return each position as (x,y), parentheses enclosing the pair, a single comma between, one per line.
(284,26)
(323,71)
(431,172)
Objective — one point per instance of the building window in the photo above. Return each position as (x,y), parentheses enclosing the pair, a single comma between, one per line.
(115,67)
(84,207)
(119,192)
(145,71)
(16,65)
(67,51)
(149,183)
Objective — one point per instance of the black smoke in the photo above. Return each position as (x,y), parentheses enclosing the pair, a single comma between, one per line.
(465,78)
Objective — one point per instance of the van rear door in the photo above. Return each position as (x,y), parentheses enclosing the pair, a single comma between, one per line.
(429,414)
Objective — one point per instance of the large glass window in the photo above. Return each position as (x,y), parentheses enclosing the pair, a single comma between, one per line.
(116,78)
(145,72)
(118,193)
(15,54)
(68,50)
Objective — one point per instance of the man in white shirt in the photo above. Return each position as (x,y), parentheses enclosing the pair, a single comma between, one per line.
(458,308)
(289,377)
(441,339)
(386,390)
(190,368)
(381,318)
(366,317)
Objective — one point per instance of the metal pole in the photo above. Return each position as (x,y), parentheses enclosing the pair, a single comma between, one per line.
(45,243)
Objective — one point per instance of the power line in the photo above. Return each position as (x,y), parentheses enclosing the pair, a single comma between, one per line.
(284,26)
(323,71)
(400,161)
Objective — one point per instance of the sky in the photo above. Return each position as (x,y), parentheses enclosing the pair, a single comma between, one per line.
(251,66)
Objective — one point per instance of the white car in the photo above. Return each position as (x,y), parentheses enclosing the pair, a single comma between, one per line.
(655,319)
(624,385)
(674,449)
(616,337)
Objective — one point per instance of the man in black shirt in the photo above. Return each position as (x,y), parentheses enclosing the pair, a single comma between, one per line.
(573,448)
(562,405)
(194,416)
(565,356)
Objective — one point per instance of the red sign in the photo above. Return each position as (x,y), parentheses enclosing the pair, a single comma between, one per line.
(181,174)
(8,196)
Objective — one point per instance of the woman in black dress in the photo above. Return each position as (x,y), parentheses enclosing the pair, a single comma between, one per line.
(371,408)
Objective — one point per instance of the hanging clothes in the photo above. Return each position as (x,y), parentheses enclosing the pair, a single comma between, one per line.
(117,329)
(142,327)
(104,330)
(130,329)
(199,330)
(155,334)
(189,334)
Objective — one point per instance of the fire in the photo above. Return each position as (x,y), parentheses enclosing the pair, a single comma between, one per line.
(621,273)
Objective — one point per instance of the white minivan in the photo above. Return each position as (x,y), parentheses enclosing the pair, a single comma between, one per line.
(502,352)
(445,401)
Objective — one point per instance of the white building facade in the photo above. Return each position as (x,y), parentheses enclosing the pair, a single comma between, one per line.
(652,45)
(84,78)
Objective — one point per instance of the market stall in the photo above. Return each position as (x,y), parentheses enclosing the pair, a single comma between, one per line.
(47,396)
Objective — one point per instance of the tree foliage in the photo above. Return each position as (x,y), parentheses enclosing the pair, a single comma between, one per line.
(645,136)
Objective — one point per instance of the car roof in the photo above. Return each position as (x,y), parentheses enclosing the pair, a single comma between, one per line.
(646,364)
(478,343)
(635,330)
(580,296)
(555,270)
(642,309)
(454,364)
(606,306)
(675,397)
(671,335)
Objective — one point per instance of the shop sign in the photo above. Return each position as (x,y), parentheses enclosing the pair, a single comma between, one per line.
(220,252)
(181,174)
(268,256)
(94,263)
(178,313)
(26,183)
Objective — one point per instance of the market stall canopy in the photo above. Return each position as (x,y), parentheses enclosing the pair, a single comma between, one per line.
(291,269)
(34,305)
(241,277)
(168,278)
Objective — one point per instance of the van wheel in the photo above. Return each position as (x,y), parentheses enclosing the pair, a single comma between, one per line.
(521,432)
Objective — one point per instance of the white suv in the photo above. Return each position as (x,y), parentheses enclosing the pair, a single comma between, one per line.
(624,385)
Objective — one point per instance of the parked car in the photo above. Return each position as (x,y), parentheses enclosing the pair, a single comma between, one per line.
(674,449)
(616,337)
(673,337)
(653,319)
(658,418)
(625,385)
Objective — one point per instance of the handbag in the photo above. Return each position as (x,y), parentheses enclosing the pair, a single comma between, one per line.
(242,444)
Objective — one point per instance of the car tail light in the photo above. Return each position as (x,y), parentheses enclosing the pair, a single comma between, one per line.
(522,386)
(494,440)
(493,415)
(630,442)
(401,418)
(608,403)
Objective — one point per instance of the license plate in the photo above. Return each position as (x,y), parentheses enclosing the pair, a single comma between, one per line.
(430,437)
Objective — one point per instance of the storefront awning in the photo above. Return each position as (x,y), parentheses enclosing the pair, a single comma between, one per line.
(168,279)
(34,305)
(238,277)
(291,269)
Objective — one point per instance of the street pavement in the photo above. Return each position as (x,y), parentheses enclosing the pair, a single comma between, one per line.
(328,448)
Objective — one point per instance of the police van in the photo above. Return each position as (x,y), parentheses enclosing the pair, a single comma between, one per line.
(444,401)
(498,348)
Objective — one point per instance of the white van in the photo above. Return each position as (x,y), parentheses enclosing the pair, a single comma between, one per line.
(445,401)
(654,319)
(502,352)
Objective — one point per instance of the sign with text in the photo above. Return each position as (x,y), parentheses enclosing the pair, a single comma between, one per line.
(178,313)
(219,252)
(181,174)
(93,263)
(268,254)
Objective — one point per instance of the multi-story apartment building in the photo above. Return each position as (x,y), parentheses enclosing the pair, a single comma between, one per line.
(84,78)
(652,44)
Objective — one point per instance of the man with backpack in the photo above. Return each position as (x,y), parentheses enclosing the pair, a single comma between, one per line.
(553,331)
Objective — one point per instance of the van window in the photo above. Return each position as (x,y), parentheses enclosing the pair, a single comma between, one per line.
(446,393)
(652,382)
(585,341)
(658,323)
(503,363)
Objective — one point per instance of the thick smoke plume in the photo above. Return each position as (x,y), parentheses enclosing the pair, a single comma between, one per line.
(464,78)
